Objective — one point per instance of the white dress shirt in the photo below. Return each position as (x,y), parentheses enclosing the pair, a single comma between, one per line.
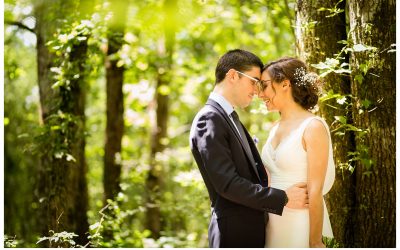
(228,108)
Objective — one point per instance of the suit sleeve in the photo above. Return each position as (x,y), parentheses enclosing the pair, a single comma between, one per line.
(211,143)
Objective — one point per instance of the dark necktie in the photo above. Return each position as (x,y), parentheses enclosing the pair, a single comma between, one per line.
(239,126)
(260,169)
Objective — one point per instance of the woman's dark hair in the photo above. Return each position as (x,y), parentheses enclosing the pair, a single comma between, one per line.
(305,85)
(237,59)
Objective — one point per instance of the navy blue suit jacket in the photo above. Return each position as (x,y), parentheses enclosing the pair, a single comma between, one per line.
(236,180)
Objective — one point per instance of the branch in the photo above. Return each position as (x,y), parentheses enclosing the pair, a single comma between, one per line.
(20,25)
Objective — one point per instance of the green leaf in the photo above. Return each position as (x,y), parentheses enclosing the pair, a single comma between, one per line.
(56,84)
(41,239)
(359,78)
(55,127)
(366,103)
(364,68)
(341,101)
(94,226)
(342,71)
(332,62)
(70,158)
(361,47)
(320,65)
(353,128)
(341,119)
(58,155)
(329,95)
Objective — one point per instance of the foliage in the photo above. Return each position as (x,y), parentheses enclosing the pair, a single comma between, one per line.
(10,242)
(21,96)
(114,220)
(341,126)
(206,29)
(62,239)
(333,11)
(331,242)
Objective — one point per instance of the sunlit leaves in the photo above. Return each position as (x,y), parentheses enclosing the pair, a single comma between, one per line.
(190,178)
(62,239)
(393,48)
(361,48)
(359,78)
(332,65)
(333,11)
(204,31)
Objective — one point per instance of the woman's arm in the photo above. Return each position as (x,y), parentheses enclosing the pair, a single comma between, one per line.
(269,176)
(316,143)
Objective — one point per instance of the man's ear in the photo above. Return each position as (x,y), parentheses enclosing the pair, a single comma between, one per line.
(231,74)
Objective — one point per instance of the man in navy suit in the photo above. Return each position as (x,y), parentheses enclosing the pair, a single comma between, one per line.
(229,162)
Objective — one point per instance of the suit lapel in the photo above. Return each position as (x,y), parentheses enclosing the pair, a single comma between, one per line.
(233,128)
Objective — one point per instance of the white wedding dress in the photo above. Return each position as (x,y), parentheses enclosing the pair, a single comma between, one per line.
(287,164)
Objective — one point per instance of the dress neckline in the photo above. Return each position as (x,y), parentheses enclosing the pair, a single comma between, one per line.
(286,136)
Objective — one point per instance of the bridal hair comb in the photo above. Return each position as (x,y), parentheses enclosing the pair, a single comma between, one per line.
(305,79)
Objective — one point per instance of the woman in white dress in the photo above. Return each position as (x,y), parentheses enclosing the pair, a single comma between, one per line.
(298,149)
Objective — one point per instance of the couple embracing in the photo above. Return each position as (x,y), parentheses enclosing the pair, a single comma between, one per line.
(274,199)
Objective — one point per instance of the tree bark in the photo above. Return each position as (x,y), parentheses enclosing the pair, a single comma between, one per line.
(159,130)
(373,23)
(363,204)
(62,188)
(115,101)
(314,43)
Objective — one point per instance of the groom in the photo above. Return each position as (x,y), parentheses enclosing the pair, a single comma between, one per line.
(229,162)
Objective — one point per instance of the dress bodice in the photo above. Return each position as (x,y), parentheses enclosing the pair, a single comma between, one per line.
(287,165)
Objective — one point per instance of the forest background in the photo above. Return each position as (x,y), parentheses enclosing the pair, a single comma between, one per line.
(99,97)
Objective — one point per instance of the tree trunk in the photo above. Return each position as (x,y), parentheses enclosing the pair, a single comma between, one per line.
(62,187)
(159,130)
(115,101)
(373,23)
(316,42)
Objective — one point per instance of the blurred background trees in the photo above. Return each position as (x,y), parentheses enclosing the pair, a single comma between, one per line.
(99,97)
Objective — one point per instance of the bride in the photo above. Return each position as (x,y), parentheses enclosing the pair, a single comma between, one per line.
(298,149)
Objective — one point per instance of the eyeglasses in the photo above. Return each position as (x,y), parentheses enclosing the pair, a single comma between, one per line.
(261,85)
(255,80)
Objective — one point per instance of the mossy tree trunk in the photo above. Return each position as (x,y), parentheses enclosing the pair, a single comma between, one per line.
(362,204)
(62,187)
(373,23)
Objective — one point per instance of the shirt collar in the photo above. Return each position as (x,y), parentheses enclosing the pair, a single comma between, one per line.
(228,108)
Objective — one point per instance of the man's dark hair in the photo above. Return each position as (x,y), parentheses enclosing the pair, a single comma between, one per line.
(238,59)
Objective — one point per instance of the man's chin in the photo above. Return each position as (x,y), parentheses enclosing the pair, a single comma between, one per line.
(245,105)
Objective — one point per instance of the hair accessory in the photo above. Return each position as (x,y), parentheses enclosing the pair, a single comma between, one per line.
(302,78)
